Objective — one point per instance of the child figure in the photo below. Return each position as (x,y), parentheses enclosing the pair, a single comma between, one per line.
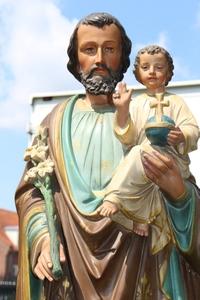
(130,190)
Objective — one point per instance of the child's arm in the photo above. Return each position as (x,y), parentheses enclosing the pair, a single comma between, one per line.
(121,100)
(186,123)
(123,125)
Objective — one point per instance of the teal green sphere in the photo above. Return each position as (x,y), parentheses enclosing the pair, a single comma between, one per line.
(157,134)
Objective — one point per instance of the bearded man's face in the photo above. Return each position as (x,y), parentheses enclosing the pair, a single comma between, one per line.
(99,56)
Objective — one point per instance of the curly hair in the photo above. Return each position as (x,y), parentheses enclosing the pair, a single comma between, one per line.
(99,20)
(154,49)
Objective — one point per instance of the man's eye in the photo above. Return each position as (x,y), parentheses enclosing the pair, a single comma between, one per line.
(109,50)
(89,50)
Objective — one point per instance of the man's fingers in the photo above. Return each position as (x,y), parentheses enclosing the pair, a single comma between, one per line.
(45,258)
(62,254)
(41,272)
(152,164)
(49,264)
(156,165)
(165,158)
(38,273)
(45,262)
(45,273)
(150,171)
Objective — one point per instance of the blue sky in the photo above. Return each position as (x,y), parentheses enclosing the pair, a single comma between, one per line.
(33,41)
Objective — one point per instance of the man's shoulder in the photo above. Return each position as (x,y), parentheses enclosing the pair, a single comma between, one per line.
(57,110)
(61,105)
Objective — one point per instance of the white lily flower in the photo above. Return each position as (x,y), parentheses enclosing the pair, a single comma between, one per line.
(36,153)
(31,174)
(41,133)
(45,168)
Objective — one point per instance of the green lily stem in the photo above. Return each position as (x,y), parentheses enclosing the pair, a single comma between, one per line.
(44,186)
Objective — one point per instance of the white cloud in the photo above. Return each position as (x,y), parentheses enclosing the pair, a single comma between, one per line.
(33,39)
(161,40)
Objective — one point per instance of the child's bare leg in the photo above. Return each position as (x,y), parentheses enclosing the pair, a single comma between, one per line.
(107,209)
(141,229)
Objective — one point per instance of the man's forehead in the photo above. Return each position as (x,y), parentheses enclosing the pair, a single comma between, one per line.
(91,32)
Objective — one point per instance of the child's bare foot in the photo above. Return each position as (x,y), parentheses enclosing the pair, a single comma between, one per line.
(141,229)
(107,209)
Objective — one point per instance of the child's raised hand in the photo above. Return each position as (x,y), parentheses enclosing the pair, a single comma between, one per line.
(122,97)
(175,137)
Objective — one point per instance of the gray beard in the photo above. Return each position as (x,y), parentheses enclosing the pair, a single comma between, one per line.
(99,85)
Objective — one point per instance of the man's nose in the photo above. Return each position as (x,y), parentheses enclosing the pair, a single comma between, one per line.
(99,56)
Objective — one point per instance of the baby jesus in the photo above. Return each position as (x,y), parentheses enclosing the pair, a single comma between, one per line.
(173,132)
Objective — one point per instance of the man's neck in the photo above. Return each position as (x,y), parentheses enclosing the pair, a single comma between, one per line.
(99,99)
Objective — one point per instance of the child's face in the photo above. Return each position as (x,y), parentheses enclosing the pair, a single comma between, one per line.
(153,71)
